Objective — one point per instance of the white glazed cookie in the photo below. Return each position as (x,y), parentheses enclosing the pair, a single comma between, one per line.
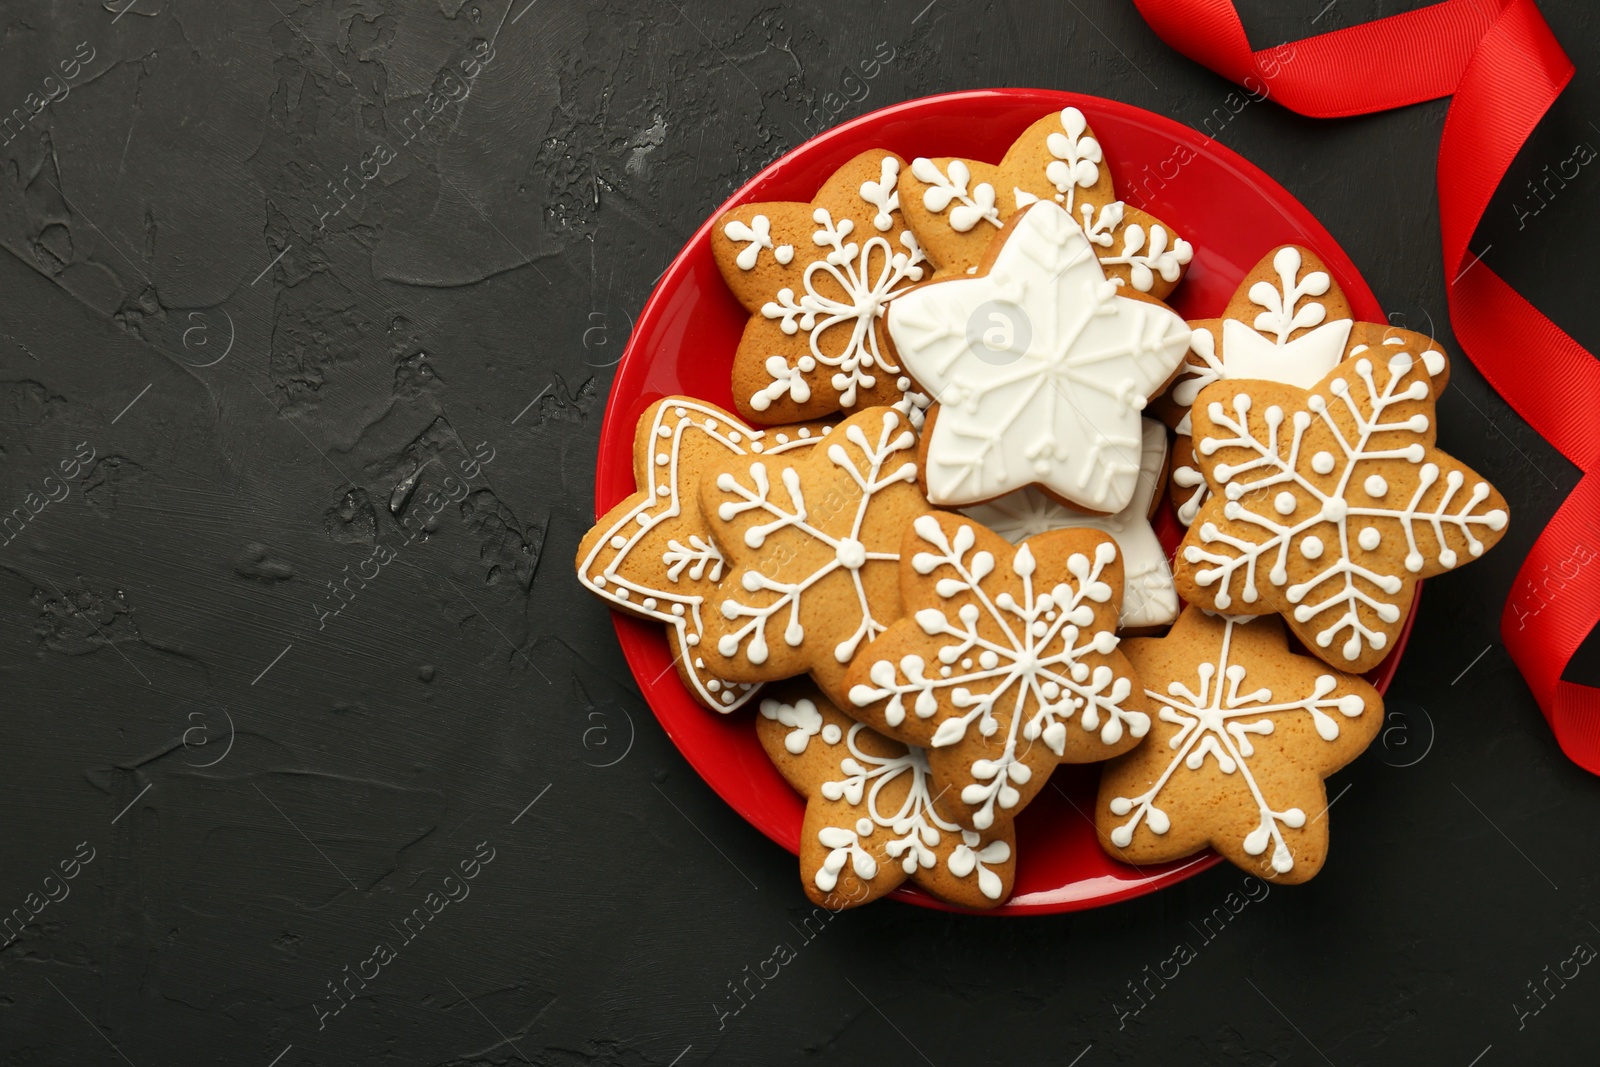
(651,555)
(1150,599)
(1244,734)
(870,822)
(956,206)
(1331,503)
(816,278)
(1005,664)
(1054,396)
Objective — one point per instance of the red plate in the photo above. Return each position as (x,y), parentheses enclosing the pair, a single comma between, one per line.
(684,342)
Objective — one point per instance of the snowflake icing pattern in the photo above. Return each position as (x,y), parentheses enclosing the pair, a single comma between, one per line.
(1024,664)
(832,524)
(1216,720)
(1306,485)
(850,287)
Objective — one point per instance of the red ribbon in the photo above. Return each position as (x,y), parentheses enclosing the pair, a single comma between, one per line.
(1503,67)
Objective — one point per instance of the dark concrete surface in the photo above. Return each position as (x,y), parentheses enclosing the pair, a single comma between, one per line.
(276,268)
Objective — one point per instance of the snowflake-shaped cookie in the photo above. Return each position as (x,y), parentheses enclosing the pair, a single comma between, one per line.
(1149,598)
(1244,734)
(956,206)
(816,278)
(1060,405)
(1288,322)
(871,822)
(652,555)
(813,547)
(1005,665)
(1332,503)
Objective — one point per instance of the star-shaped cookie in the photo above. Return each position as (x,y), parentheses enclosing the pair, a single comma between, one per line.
(816,278)
(1330,503)
(956,206)
(1039,367)
(871,822)
(1005,664)
(1244,733)
(652,555)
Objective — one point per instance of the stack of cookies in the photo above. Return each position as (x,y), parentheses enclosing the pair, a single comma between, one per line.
(922,547)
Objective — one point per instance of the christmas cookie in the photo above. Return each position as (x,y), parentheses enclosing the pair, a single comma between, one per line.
(1288,322)
(1330,503)
(1243,735)
(870,819)
(957,206)
(816,278)
(1005,665)
(1149,598)
(1040,368)
(812,544)
(652,555)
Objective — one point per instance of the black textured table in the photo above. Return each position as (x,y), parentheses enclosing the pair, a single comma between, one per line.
(275,692)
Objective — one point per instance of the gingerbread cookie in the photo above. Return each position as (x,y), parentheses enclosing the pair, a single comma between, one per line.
(870,819)
(1288,322)
(652,555)
(1005,665)
(1244,734)
(1332,502)
(1149,598)
(813,550)
(1039,367)
(816,278)
(957,206)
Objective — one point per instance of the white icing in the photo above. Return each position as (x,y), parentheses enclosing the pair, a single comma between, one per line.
(849,287)
(973,206)
(1344,586)
(1099,227)
(802,718)
(1065,412)
(1266,353)
(699,556)
(1187,477)
(1149,598)
(1077,158)
(915,828)
(1217,719)
(886,465)
(757,235)
(883,195)
(676,602)
(1030,678)
(1146,261)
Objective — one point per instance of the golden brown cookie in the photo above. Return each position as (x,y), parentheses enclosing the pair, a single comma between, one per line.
(870,819)
(1005,665)
(652,555)
(1243,735)
(813,549)
(816,278)
(956,206)
(1287,322)
(1330,503)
